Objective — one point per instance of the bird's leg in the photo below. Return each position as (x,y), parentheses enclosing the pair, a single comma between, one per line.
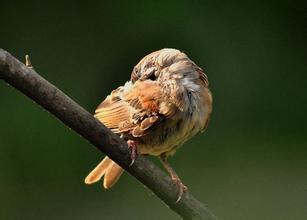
(132,147)
(175,178)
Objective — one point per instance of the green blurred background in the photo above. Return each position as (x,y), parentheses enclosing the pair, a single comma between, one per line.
(251,164)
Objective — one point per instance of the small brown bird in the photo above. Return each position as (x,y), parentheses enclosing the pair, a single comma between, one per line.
(166,102)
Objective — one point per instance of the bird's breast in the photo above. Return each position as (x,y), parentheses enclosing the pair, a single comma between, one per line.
(174,131)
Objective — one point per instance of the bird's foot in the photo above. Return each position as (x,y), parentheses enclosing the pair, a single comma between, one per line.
(174,177)
(181,187)
(132,147)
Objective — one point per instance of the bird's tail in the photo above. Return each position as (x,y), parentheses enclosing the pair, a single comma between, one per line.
(107,168)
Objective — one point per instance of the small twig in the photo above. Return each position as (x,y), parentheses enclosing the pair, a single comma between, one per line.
(28,62)
(27,81)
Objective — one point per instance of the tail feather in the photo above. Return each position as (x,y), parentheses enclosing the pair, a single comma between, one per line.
(107,168)
(112,175)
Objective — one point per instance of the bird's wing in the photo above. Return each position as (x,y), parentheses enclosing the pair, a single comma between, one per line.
(133,108)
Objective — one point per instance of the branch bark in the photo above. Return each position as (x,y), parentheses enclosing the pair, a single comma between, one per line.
(27,81)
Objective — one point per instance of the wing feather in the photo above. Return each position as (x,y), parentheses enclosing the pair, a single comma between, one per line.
(133,108)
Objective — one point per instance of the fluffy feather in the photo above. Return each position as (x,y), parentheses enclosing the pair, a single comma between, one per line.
(166,102)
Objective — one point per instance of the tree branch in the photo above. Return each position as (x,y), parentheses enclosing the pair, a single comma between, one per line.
(27,81)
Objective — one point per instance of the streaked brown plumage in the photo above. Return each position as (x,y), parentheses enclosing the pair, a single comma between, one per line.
(166,102)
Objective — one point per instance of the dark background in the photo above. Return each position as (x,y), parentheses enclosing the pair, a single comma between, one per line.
(251,163)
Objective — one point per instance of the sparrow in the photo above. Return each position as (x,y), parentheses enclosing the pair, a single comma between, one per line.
(166,102)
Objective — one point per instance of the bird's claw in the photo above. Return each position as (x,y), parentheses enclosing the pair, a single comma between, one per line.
(133,149)
(181,187)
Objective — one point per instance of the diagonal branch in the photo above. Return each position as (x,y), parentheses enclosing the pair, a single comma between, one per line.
(27,81)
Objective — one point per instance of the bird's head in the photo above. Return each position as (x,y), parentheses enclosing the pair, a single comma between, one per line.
(170,67)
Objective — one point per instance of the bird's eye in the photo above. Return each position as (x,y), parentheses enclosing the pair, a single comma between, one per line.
(152,77)
(150,74)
